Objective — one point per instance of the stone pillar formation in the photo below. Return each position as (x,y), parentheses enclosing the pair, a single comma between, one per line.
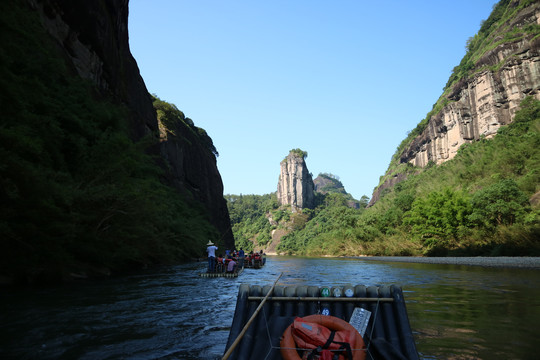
(295,185)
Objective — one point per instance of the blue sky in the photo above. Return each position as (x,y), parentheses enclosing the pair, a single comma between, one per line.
(343,80)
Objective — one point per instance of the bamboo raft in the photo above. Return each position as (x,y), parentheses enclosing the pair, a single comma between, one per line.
(222,274)
(255,264)
(259,321)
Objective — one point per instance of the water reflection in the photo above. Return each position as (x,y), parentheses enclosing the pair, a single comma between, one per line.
(171,313)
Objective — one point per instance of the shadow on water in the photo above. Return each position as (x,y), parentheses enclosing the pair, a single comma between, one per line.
(171,313)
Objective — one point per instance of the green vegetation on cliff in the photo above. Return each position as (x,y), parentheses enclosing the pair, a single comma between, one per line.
(298,152)
(170,119)
(493,32)
(77,195)
(251,227)
(499,29)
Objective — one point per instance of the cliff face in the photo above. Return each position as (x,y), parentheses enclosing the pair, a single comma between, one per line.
(480,105)
(389,183)
(93,37)
(295,185)
(193,171)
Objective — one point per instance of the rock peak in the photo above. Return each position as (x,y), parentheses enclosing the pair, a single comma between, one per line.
(295,185)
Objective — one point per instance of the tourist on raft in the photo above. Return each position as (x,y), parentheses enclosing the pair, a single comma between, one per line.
(211,250)
(241,256)
(220,263)
(231,265)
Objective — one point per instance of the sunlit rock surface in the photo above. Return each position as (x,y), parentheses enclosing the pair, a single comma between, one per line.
(295,185)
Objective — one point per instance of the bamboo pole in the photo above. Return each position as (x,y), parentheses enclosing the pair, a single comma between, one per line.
(322,299)
(241,335)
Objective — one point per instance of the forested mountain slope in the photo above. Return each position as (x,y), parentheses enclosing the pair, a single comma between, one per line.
(91,183)
(501,67)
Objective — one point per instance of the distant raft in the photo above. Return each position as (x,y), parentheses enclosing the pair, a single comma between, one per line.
(378,313)
(222,274)
(255,261)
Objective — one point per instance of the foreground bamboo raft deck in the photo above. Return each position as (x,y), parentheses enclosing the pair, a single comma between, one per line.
(388,331)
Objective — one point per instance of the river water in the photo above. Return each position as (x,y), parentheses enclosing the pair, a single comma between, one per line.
(456,312)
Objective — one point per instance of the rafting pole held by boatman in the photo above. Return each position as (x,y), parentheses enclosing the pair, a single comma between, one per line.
(237,341)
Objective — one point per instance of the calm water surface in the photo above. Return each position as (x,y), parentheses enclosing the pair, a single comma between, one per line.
(456,312)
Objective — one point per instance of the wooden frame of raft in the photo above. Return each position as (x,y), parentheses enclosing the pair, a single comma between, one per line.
(271,309)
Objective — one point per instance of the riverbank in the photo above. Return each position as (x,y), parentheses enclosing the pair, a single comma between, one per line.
(503,261)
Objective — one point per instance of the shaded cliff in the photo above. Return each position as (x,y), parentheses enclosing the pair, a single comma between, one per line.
(501,68)
(189,155)
(94,36)
(82,193)
(295,185)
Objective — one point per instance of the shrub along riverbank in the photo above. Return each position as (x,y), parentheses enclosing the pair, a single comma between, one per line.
(525,262)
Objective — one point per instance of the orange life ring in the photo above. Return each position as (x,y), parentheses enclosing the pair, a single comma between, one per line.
(288,346)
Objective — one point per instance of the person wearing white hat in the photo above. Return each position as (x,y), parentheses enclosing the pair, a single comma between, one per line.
(211,250)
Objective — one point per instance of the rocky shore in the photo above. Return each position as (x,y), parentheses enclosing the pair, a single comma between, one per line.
(503,261)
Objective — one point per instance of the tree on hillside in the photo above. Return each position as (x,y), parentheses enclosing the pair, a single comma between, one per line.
(502,203)
(364,201)
(438,218)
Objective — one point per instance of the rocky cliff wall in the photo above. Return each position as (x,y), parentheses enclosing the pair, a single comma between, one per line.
(193,171)
(388,184)
(295,185)
(480,105)
(93,37)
